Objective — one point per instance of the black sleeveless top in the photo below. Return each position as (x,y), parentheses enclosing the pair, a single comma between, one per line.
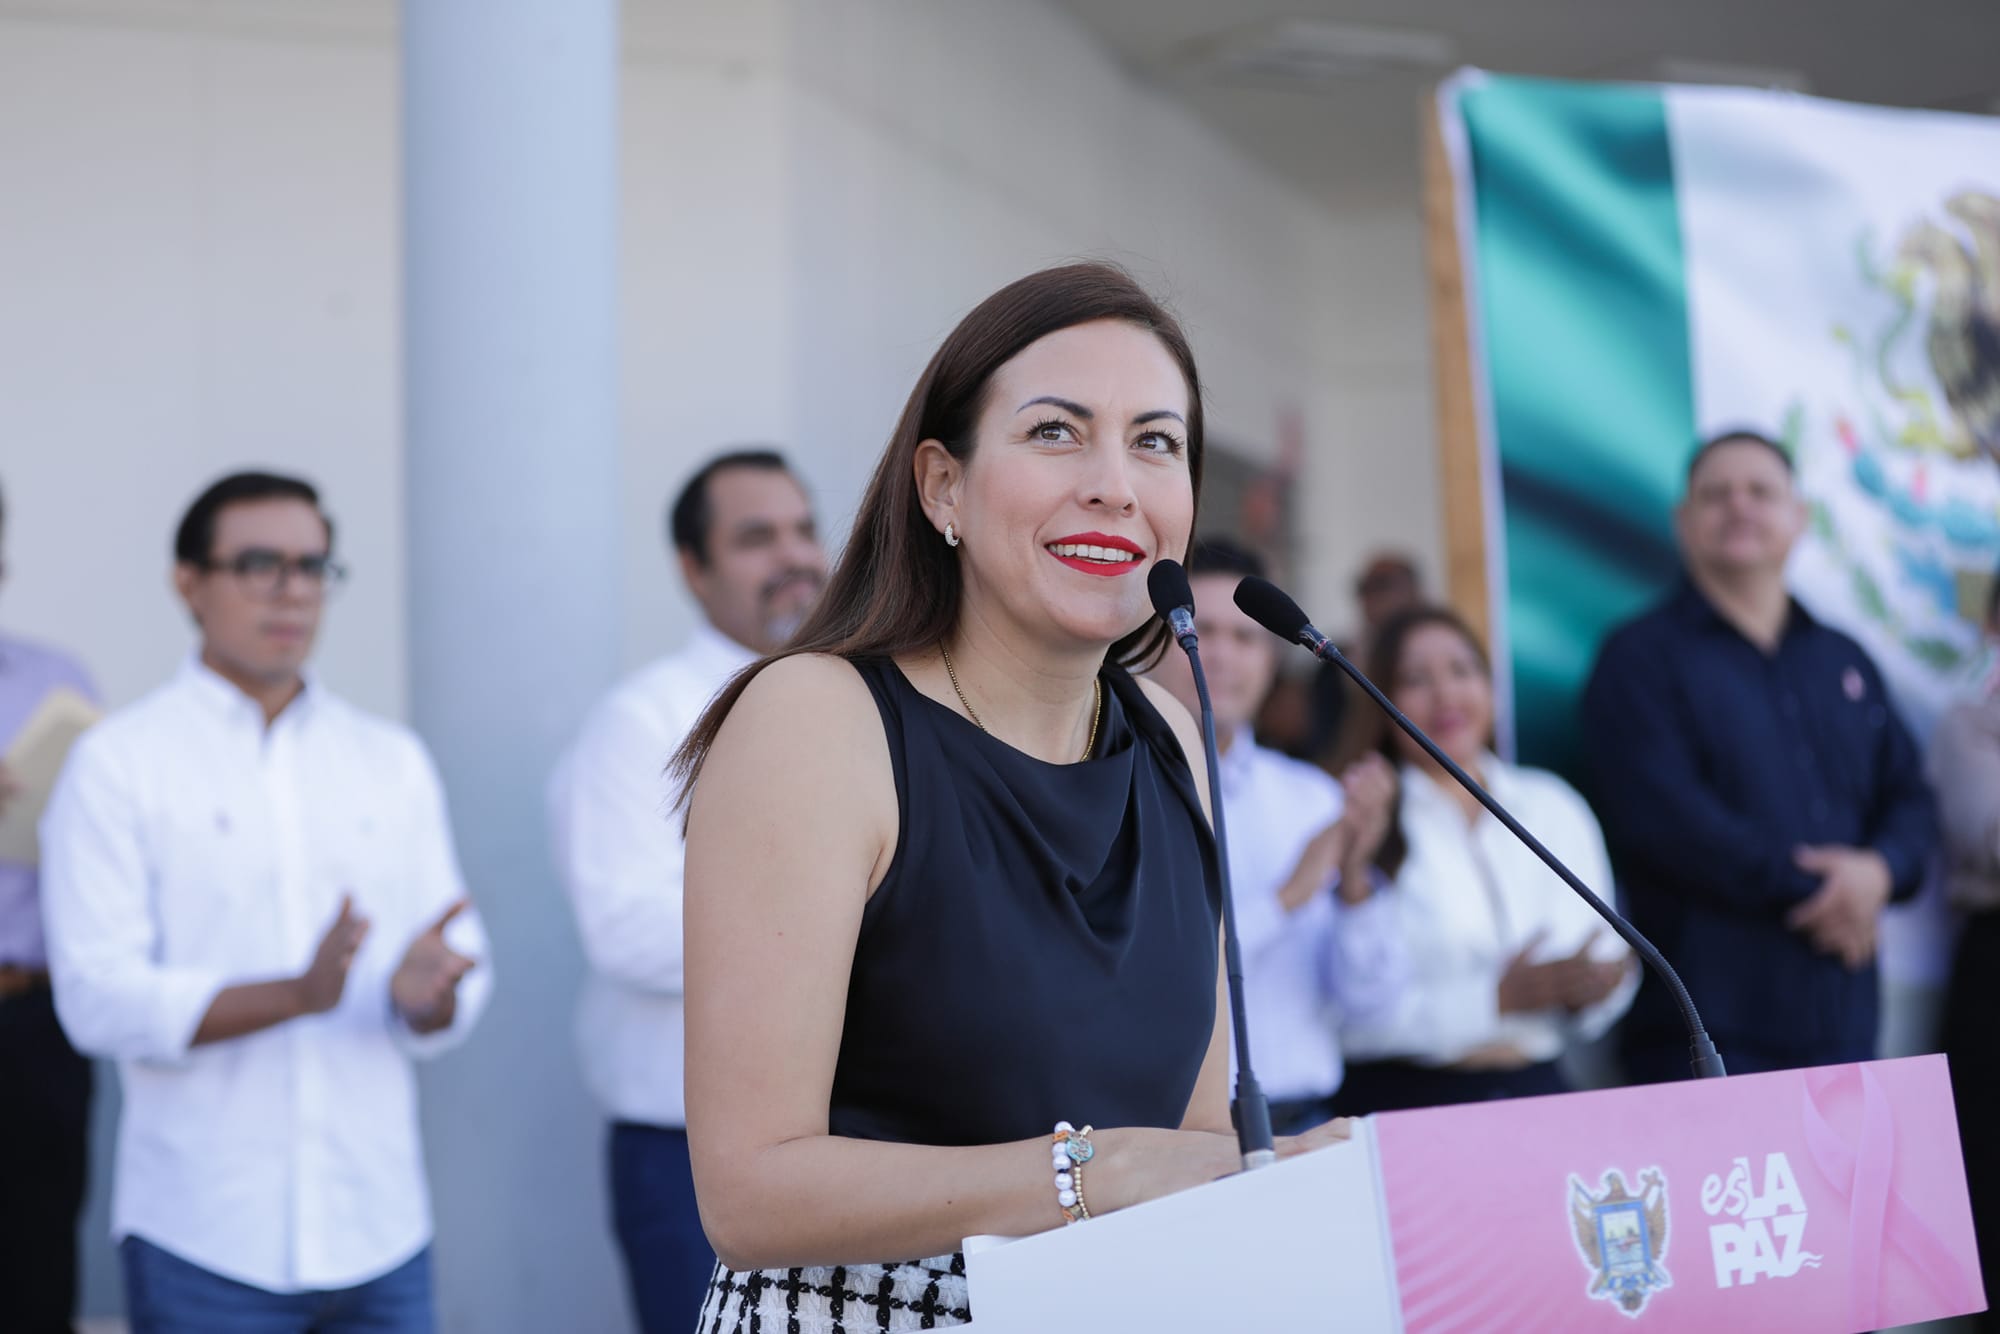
(1043,946)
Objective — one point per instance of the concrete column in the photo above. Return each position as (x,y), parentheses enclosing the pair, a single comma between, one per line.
(512,471)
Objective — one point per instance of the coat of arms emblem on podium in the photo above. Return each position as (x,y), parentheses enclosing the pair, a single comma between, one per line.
(1622,1237)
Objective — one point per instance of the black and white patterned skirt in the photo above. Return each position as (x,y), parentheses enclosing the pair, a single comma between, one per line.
(837,1299)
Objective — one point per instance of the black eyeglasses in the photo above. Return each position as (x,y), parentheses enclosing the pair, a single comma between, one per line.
(262,571)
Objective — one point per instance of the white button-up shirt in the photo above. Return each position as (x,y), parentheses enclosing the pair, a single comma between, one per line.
(1471,896)
(188,847)
(618,849)
(1304,972)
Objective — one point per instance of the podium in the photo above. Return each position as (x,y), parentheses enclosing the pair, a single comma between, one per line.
(1817,1200)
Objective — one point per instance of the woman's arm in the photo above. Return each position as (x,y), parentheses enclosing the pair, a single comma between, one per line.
(1208,1106)
(790,828)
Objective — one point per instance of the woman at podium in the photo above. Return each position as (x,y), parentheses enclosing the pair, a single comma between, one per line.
(951,892)
(1507,966)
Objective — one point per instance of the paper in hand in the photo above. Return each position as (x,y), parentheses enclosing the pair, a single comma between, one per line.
(33,762)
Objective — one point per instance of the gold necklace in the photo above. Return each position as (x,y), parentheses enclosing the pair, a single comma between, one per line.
(1096,709)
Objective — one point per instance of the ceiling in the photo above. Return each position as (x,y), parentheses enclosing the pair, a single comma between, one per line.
(1354,137)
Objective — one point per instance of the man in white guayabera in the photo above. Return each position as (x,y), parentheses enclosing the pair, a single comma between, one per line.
(743,530)
(254,906)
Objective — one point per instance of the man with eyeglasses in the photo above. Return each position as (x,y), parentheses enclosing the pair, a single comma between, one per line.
(44,1082)
(743,530)
(254,906)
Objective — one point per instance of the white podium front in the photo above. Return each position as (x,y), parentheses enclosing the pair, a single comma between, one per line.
(1830,1200)
(1301,1245)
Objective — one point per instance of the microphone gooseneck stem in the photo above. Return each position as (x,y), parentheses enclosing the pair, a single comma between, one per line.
(1702,1056)
(1249,1110)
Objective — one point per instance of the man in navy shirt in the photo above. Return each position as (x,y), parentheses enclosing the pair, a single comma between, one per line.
(1761,799)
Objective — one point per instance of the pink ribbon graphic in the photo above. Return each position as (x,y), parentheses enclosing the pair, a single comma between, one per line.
(1863,1174)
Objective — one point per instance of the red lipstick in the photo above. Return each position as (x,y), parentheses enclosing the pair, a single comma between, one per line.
(1086,565)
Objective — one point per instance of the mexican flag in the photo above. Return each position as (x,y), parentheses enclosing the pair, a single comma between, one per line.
(1645,266)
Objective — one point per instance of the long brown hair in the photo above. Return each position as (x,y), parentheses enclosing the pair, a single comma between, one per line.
(1385,660)
(896,586)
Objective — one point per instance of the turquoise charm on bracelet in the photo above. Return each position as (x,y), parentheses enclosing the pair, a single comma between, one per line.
(1068,1152)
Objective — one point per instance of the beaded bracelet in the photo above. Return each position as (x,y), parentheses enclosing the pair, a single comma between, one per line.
(1069,1151)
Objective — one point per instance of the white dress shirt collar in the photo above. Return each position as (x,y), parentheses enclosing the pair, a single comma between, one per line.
(709,650)
(228,700)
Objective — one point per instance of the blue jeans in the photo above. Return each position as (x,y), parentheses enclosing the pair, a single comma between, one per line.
(165,1294)
(667,1257)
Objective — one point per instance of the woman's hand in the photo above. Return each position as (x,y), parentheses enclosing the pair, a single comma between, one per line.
(1370,785)
(1337,1131)
(1348,845)
(1593,980)
(1323,854)
(1529,988)
(1573,983)
(1136,1164)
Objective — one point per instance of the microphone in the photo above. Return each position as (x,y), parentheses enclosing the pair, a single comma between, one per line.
(1173,599)
(1264,603)
(1167,584)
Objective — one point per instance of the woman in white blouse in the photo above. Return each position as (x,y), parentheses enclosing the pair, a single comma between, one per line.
(1507,966)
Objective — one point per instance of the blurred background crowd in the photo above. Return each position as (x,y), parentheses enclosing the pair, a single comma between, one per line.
(374,363)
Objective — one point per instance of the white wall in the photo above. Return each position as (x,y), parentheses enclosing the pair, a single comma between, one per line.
(198,254)
(1372,475)
(708,297)
(204,276)
(199,257)
(938,151)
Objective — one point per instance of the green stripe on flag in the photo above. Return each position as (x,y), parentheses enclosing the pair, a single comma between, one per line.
(1583,312)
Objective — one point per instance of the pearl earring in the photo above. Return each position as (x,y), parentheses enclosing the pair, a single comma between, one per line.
(950,536)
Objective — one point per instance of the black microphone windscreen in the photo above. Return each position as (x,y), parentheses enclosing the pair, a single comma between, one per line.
(1167,585)
(1268,605)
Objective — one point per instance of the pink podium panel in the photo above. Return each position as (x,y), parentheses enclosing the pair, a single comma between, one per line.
(1827,1200)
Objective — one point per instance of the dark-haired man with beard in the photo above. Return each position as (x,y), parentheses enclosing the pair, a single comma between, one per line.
(750,554)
